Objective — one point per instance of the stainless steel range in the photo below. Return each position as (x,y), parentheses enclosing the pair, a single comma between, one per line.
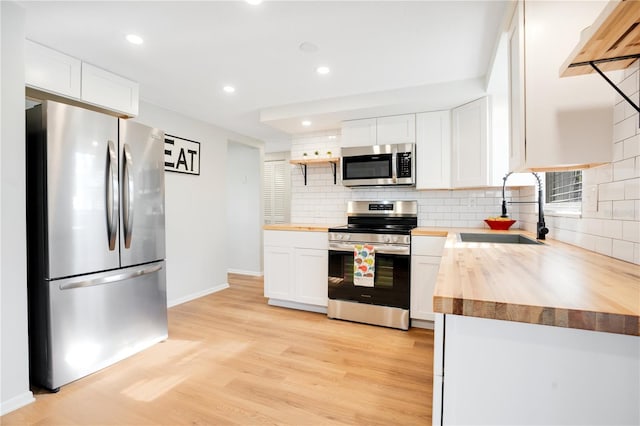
(370,263)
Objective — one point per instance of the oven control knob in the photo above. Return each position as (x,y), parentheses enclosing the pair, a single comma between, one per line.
(338,236)
(347,237)
(387,239)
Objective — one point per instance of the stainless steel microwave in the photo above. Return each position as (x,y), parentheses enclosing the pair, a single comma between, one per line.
(379,165)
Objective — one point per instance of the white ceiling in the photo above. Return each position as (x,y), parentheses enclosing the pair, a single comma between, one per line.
(386,57)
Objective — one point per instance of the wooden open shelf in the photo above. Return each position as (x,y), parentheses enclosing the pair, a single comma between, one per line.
(316,160)
(333,162)
(612,41)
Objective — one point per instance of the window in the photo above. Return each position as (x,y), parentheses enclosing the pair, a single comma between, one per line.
(275,192)
(563,191)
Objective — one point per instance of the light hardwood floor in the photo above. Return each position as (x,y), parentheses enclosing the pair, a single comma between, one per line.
(233,359)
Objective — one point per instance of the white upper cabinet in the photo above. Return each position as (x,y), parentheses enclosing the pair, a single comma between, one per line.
(433,150)
(396,129)
(379,131)
(470,150)
(50,74)
(555,122)
(104,88)
(358,132)
(49,70)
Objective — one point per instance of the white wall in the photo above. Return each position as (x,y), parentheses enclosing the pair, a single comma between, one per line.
(244,209)
(610,222)
(196,208)
(14,355)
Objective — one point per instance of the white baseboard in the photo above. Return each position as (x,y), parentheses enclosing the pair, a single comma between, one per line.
(418,323)
(197,295)
(16,402)
(242,272)
(297,305)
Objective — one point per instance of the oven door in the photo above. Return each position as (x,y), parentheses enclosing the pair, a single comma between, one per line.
(391,277)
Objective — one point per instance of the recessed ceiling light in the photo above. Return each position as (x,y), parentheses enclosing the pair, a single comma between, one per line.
(323,70)
(308,47)
(306,123)
(229,89)
(332,136)
(254,2)
(134,39)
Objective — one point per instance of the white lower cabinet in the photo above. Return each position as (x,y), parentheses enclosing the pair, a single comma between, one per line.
(278,272)
(426,253)
(296,269)
(310,276)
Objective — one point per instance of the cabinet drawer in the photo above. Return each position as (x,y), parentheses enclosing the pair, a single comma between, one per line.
(427,246)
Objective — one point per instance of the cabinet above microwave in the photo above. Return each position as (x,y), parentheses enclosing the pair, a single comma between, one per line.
(395,129)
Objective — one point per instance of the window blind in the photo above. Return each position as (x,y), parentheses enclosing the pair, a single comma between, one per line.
(274,191)
(563,187)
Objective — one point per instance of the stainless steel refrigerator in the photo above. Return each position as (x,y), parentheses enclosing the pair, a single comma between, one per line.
(96,241)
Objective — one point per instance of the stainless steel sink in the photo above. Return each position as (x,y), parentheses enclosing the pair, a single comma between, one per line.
(496,238)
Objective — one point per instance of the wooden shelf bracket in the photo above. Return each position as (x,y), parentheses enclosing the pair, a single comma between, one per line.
(303,169)
(608,80)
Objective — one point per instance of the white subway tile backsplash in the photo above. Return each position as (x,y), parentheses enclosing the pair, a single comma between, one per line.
(605,210)
(619,112)
(623,209)
(612,191)
(623,250)
(625,129)
(603,245)
(618,151)
(612,229)
(631,231)
(632,147)
(629,85)
(624,169)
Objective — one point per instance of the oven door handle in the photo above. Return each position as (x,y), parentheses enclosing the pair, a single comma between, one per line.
(382,248)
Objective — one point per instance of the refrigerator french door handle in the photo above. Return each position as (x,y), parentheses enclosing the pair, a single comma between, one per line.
(80,282)
(128,196)
(112,198)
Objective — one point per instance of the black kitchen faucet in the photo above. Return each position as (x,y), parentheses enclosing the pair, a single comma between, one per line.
(541,228)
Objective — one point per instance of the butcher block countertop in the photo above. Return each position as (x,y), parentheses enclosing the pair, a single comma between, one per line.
(297,227)
(552,284)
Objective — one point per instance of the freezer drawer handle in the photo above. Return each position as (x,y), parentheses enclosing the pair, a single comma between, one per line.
(112,199)
(128,195)
(109,279)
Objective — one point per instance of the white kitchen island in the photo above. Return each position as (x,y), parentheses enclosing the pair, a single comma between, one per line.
(538,334)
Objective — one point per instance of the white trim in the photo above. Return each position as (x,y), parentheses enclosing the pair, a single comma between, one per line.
(242,272)
(16,402)
(297,305)
(418,323)
(197,295)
